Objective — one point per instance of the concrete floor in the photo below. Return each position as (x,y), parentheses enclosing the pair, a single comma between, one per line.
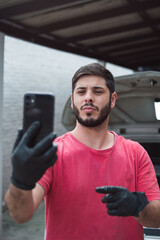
(31,230)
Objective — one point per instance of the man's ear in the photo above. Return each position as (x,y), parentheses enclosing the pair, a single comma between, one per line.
(113,99)
(72,100)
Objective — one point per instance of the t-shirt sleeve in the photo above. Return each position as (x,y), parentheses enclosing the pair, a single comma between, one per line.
(147,181)
(46,179)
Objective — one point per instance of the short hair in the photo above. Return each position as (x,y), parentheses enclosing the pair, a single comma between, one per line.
(97,70)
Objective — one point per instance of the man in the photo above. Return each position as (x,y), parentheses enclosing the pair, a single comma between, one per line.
(92,163)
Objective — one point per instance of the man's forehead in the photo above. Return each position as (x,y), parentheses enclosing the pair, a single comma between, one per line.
(91,81)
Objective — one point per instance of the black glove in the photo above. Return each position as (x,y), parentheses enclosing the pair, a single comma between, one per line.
(121,202)
(30,163)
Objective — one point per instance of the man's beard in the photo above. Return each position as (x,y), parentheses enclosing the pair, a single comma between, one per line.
(91,122)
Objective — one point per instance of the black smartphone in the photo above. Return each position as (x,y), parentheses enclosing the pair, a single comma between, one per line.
(39,107)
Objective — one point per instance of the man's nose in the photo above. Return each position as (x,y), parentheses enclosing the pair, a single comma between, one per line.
(89,97)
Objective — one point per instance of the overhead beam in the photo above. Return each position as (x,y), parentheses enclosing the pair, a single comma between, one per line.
(48,41)
(137,60)
(145,53)
(135,46)
(110,31)
(35,6)
(60,44)
(96,16)
(143,15)
(141,59)
(122,40)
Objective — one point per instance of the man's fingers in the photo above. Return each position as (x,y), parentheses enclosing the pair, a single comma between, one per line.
(31,132)
(44,144)
(18,139)
(109,189)
(117,212)
(105,198)
(113,205)
(112,212)
(106,189)
(49,156)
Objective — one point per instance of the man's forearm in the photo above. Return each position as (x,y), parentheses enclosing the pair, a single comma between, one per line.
(150,216)
(20,203)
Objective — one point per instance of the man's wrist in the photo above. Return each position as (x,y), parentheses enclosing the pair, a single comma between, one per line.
(142,202)
(21,185)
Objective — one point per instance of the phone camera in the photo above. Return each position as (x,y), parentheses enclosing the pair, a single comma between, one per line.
(30,101)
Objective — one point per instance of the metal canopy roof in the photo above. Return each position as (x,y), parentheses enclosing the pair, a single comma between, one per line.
(123,32)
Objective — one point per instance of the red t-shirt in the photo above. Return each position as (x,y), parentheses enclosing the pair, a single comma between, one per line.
(74,210)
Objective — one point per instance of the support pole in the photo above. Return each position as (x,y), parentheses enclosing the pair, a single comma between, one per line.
(1,121)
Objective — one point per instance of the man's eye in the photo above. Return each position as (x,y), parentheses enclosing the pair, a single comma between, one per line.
(98,92)
(80,92)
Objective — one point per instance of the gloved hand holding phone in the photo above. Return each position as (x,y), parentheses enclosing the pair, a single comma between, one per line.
(30,162)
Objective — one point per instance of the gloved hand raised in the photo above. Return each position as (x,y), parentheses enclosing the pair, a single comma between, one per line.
(121,202)
(30,163)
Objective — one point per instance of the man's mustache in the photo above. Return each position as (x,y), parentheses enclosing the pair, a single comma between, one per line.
(89,105)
